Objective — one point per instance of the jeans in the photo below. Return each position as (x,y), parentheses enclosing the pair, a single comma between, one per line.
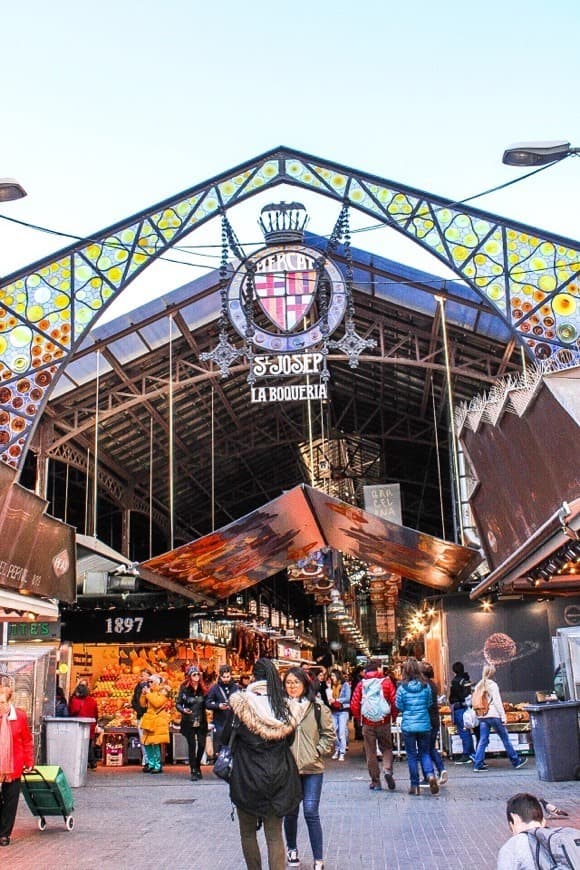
(381,734)
(485,726)
(438,762)
(417,746)
(274,841)
(464,733)
(340,719)
(311,790)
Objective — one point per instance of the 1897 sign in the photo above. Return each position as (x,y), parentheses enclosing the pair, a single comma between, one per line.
(125,626)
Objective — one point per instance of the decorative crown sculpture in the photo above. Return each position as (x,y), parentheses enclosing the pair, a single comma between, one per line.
(283,222)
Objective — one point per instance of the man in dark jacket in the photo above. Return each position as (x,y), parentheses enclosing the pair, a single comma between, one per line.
(217,701)
(459,690)
(139,709)
(376,730)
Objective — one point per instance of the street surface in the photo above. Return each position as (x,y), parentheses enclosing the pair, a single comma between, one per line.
(127,820)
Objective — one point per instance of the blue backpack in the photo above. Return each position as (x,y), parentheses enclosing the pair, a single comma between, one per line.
(374,706)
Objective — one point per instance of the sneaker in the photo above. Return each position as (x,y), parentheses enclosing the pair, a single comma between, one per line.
(480,768)
(464,759)
(335,755)
(318,865)
(292,859)
(424,783)
(375,786)
(341,757)
(443,777)
(390,780)
(521,763)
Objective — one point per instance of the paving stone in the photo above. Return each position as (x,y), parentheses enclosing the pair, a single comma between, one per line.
(126,820)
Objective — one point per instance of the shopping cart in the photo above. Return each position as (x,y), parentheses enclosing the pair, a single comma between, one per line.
(47,793)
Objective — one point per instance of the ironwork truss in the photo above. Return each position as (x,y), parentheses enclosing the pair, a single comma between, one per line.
(530,277)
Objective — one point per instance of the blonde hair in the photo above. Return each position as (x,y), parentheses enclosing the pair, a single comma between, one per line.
(488,672)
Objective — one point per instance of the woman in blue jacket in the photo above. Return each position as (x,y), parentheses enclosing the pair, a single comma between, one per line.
(414,697)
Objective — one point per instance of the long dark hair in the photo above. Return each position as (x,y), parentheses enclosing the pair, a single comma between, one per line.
(264,669)
(307,684)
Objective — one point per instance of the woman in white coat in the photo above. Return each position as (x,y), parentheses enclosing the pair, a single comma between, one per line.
(494,717)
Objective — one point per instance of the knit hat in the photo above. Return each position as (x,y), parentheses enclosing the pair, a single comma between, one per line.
(191,671)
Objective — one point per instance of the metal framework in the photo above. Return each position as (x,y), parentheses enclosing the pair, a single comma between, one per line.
(383,408)
(528,276)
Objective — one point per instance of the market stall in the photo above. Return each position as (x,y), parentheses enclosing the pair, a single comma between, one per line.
(109,649)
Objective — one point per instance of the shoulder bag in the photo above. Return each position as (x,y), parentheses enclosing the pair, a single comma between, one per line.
(225,758)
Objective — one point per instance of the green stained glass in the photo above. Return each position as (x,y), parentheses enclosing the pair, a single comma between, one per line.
(529,276)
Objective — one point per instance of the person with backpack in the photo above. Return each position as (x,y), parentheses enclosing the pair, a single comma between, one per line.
(313,739)
(373,702)
(459,693)
(532,845)
(488,706)
(414,699)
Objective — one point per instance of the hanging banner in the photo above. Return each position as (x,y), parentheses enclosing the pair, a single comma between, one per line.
(384,500)
(37,552)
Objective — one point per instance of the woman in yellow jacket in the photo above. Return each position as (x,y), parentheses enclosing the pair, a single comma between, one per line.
(155,720)
(314,738)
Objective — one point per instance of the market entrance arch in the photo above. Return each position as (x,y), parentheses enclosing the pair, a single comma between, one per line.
(528,276)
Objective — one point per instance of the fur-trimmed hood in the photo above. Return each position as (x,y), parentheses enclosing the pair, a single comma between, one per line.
(253,709)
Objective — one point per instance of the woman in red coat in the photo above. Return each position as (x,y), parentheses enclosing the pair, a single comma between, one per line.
(16,755)
(83,705)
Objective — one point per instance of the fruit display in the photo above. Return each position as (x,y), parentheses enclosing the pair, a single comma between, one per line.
(113,688)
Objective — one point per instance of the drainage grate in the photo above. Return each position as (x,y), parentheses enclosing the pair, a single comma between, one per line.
(180,801)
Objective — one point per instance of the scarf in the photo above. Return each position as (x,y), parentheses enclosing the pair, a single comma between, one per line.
(6,760)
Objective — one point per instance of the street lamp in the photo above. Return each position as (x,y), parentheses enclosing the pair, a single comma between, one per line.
(10,189)
(537,153)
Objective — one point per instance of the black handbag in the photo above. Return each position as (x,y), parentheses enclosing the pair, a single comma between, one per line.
(225,758)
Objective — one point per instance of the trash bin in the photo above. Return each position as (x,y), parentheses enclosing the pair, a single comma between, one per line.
(67,746)
(556,740)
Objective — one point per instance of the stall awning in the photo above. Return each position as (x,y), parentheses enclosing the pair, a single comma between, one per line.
(290,527)
(15,607)
(514,574)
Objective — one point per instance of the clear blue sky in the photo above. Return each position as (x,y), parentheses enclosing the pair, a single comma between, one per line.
(110,107)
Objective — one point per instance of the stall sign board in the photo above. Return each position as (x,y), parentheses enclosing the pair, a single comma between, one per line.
(24,631)
(384,500)
(125,626)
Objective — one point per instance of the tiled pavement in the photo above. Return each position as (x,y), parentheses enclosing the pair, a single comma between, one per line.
(126,820)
